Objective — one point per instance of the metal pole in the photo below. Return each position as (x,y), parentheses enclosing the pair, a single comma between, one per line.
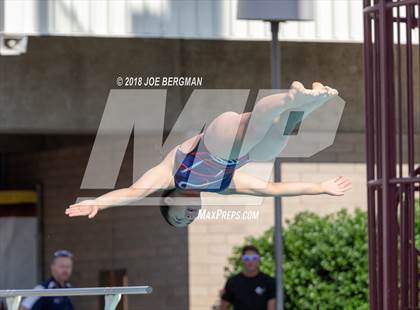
(3,172)
(275,81)
(41,231)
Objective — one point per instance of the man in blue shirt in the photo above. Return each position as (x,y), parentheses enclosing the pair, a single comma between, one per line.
(61,269)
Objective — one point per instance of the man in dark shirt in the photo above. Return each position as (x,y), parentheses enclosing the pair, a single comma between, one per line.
(61,269)
(251,289)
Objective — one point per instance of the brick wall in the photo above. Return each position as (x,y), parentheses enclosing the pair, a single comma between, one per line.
(134,238)
(211,241)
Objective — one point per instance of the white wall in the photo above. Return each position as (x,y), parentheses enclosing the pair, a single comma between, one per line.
(334,20)
(18,252)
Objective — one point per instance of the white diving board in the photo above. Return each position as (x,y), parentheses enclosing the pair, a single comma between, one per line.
(112,294)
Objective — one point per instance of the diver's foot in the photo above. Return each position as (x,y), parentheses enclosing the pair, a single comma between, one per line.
(300,96)
(306,100)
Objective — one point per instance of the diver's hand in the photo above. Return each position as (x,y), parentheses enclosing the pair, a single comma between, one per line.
(86,207)
(336,186)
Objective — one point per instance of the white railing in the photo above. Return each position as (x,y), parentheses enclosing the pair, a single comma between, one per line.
(112,294)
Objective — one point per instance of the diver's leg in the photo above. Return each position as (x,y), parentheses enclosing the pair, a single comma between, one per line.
(270,107)
(251,128)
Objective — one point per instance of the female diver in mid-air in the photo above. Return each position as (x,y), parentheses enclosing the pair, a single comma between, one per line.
(205,162)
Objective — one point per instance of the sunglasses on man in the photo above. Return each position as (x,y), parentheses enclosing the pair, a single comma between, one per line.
(63,253)
(248,258)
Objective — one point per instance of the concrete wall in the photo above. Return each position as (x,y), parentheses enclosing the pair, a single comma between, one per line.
(61,84)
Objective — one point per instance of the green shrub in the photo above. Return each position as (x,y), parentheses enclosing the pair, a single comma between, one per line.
(325,260)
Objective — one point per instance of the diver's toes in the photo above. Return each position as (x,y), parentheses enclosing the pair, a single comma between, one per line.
(317,85)
(297,85)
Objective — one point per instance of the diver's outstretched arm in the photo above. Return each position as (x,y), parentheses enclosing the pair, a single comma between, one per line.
(244,183)
(157,178)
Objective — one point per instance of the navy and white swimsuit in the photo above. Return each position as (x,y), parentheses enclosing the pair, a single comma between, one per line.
(202,171)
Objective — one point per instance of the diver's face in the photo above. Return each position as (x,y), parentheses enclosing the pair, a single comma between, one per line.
(181,216)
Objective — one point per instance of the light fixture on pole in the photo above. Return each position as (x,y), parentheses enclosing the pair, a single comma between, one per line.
(276,11)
